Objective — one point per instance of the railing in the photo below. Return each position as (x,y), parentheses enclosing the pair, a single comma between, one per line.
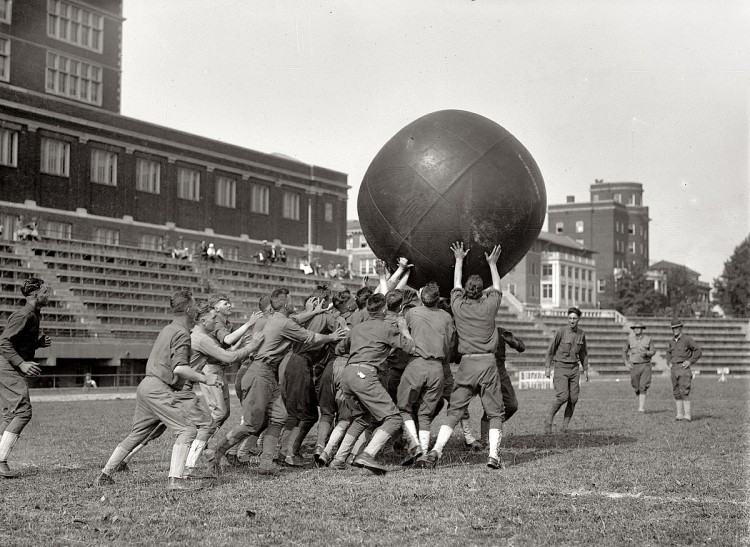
(124,379)
(594,314)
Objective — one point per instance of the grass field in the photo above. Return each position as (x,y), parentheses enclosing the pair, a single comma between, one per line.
(618,478)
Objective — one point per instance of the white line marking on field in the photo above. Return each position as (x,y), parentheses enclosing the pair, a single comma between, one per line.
(641,496)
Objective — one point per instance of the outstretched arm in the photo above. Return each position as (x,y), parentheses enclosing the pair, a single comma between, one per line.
(460,254)
(396,279)
(492,262)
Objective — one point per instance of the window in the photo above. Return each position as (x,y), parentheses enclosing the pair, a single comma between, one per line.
(591,297)
(546,270)
(350,242)
(8,147)
(4,58)
(147,176)
(589,275)
(188,184)
(578,294)
(7,226)
(231,252)
(546,290)
(367,266)
(104,167)
(631,247)
(75,25)
(631,199)
(55,157)
(5,6)
(106,236)
(579,226)
(151,241)
(580,242)
(57,230)
(226,192)
(559,227)
(328,212)
(362,242)
(618,198)
(259,199)
(570,292)
(596,197)
(290,206)
(631,229)
(575,273)
(601,285)
(73,78)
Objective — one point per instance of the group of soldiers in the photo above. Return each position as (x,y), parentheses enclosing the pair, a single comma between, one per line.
(370,369)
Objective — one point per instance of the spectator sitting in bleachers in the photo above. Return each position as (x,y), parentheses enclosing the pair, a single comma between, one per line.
(282,255)
(204,250)
(29,232)
(305,267)
(88,382)
(181,253)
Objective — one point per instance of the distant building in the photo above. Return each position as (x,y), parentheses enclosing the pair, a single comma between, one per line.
(614,224)
(73,163)
(677,274)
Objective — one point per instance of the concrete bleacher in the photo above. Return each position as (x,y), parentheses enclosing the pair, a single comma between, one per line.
(110,301)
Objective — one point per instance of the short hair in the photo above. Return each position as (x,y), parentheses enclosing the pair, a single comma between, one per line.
(263,302)
(216,298)
(204,308)
(430,294)
(361,297)
(181,300)
(340,296)
(321,291)
(474,286)
(31,285)
(574,310)
(410,298)
(394,299)
(375,302)
(279,298)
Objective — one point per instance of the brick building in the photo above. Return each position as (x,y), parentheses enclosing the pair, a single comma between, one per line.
(71,161)
(614,224)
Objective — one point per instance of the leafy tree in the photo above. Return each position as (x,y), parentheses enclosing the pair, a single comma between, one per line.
(733,287)
(683,293)
(635,295)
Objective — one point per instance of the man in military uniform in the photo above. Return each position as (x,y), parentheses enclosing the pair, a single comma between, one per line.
(682,352)
(637,353)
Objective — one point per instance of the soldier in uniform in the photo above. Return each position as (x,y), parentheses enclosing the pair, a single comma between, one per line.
(682,352)
(18,342)
(566,353)
(637,353)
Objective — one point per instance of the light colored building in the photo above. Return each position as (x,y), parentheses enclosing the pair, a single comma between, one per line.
(568,275)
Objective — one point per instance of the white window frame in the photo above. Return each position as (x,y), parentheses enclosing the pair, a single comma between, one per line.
(54,157)
(188,184)
(559,227)
(617,198)
(8,147)
(75,25)
(106,236)
(6,8)
(328,211)
(631,228)
(57,230)
(546,267)
(73,78)
(631,247)
(290,205)
(259,198)
(154,242)
(147,176)
(547,291)
(579,226)
(226,192)
(103,167)
(601,285)
(4,58)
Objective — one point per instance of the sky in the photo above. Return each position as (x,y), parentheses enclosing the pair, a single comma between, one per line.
(652,92)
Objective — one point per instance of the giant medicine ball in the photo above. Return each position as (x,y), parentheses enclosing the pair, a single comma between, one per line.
(451,176)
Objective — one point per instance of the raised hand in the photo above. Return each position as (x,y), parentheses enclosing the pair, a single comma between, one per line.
(340,333)
(404,263)
(494,255)
(458,250)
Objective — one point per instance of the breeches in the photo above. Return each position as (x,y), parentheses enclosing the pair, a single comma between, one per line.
(566,383)
(640,377)
(366,396)
(476,375)
(14,398)
(261,398)
(682,380)
(298,391)
(421,388)
(216,398)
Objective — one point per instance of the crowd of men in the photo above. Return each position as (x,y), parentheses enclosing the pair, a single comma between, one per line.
(370,369)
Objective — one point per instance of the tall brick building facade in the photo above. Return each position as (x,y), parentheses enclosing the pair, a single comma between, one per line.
(69,159)
(614,224)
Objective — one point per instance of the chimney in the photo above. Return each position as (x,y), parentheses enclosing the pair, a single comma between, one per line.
(570,199)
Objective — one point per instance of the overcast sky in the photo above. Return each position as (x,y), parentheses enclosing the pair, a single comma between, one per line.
(653,92)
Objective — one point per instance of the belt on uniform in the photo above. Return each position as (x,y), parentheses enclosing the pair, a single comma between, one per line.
(478,354)
(364,365)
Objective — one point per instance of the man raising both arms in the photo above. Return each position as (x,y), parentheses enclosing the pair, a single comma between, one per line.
(474,314)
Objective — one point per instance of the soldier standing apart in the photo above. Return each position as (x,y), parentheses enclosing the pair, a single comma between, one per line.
(159,398)
(638,352)
(474,314)
(18,342)
(682,352)
(567,350)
